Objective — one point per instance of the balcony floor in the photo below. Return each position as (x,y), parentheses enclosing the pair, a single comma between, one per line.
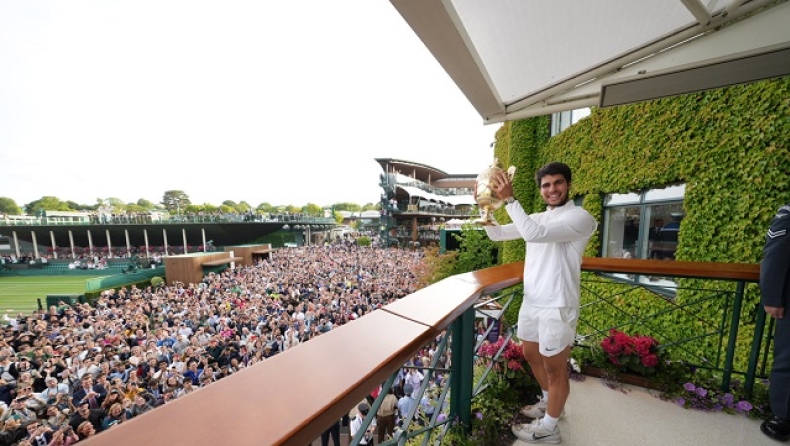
(599,416)
(596,415)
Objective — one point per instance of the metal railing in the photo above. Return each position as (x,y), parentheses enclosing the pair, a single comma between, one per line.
(650,297)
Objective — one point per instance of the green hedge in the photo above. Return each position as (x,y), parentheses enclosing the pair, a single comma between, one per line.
(730,148)
(277,239)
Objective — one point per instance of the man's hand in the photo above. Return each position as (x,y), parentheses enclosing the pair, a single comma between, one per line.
(502,185)
(775,312)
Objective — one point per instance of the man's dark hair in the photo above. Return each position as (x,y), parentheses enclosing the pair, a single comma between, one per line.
(554,168)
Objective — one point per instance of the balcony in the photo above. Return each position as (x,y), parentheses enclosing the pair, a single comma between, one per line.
(291,398)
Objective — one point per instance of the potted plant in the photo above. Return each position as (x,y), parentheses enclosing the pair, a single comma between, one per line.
(631,359)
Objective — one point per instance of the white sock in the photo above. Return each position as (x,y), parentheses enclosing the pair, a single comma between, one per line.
(549,422)
(545,395)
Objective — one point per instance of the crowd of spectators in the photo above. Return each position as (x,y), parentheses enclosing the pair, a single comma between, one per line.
(69,372)
(23,257)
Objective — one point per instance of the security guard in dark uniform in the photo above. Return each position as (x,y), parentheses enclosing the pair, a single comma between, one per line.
(775,289)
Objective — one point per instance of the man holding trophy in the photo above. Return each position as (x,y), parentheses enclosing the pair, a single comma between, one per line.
(556,239)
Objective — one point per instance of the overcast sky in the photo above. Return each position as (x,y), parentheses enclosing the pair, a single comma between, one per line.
(286,102)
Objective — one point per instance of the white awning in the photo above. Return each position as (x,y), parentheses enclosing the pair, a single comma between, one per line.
(453,200)
(520,58)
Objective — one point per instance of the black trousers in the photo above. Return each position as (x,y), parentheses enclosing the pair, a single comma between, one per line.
(779,392)
(334,431)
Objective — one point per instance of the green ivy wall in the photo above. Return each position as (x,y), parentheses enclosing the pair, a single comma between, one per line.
(729,146)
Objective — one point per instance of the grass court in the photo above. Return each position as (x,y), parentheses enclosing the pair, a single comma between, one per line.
(20,294)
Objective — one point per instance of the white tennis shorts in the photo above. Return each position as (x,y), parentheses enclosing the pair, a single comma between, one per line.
(552,328)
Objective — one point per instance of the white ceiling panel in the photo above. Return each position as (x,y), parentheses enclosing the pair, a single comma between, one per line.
(572,36)
(519,58)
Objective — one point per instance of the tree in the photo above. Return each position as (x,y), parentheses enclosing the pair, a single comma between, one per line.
(135,208)
(79,207)
(265,208)
(291,209)
(243,207)
(110,205)
(351,207)
(116,205)
(313,210)
(476,251)
(209,208)
(9,207)
(229,203)
(372,207)
(48,203)
(225,209)
(174,200)
(145,204)
(193,208)
(435,266)
(101,205)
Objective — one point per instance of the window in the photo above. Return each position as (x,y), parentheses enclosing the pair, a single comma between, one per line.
(562,120)
(643,225)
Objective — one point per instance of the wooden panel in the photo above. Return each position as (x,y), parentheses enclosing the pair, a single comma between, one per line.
(288,399)
(437,305)
(188,268)
(248,252)
(749,272)
(497,277)
(222,261)
(441,303)
(705,270)
(184,269)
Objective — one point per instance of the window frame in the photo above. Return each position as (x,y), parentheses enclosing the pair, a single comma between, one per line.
(562,120)
(645,201)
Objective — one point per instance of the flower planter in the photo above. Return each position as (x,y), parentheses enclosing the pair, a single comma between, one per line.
(625,378)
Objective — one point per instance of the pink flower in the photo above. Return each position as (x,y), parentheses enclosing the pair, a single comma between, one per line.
(514,365)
